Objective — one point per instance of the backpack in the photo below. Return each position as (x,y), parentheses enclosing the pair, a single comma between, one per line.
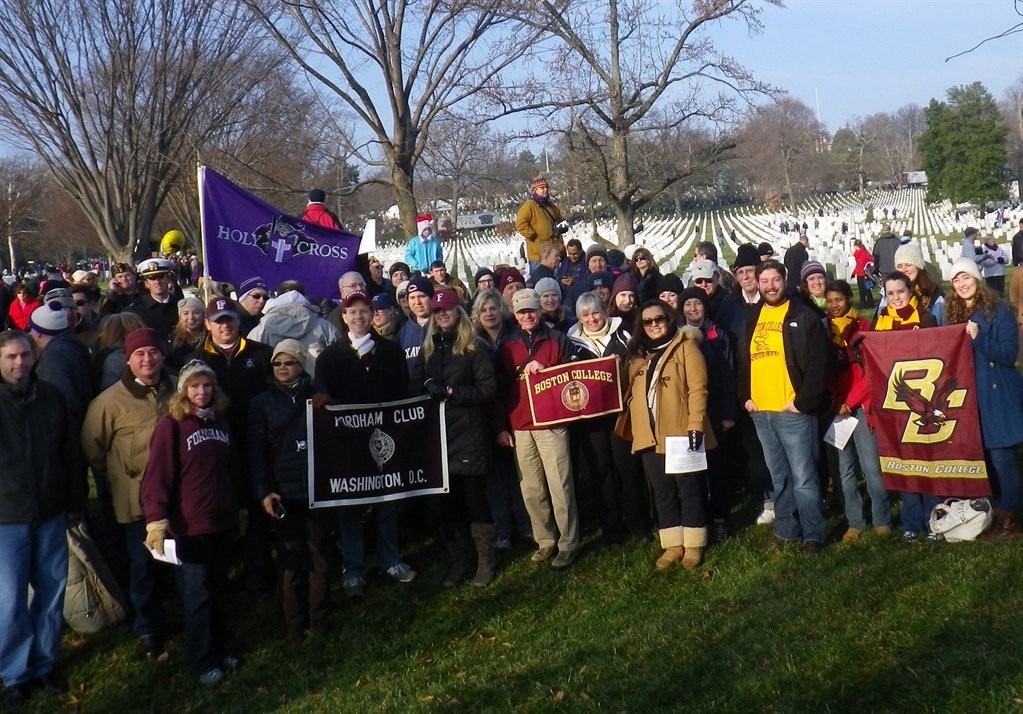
(92,599)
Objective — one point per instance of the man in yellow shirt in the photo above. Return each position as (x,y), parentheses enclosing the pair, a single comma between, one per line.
(783,382)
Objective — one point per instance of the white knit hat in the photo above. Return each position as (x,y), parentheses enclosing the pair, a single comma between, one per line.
(961,265)
(194,368)
(49,318)
(910,254)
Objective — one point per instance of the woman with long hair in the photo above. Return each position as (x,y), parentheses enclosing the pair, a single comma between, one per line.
(909,260)
(902,311)
(454,365)
(644,269)
(189,493)
(188,333)
(493,324)
(667,399)
(993,336)
(26,299)
(848,385)
(108,361)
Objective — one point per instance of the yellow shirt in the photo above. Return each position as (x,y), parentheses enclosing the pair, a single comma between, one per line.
(770,386)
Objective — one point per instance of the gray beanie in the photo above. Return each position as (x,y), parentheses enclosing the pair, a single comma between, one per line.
(194,368)
(547,285)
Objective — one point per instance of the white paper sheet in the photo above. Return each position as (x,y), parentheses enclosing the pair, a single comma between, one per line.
(678,459)
(840,431)
(170,552)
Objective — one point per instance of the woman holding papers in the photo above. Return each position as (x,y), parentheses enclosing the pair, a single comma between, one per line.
(851,394)
(666,414)
(993,336)
(189,493)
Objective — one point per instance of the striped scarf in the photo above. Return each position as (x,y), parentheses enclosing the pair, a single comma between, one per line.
(842,328)
(906,318)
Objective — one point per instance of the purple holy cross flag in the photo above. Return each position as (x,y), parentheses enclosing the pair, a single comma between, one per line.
(246,236)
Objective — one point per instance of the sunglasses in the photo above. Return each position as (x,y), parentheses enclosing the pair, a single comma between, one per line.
(81,303)
(650,321)
(641,257)
(285,363)
(258,296)
(402,296)
(703,281)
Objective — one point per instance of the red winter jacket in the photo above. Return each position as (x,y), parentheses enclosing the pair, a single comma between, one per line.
(321,215)
(512,404)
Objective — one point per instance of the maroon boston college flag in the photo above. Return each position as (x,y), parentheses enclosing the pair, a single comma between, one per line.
(923,405)
(577,390)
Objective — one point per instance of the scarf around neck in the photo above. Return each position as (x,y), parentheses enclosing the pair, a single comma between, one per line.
(906,318)
(363,345)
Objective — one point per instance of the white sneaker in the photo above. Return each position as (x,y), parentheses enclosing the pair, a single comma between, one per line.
(766,517)
(402,573)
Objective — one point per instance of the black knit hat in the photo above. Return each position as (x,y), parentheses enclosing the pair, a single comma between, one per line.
(746,256)
(670,283)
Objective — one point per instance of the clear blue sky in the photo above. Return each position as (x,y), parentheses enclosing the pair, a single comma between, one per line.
(866,56)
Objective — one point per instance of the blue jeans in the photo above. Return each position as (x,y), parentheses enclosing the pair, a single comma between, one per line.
(791,451)
(353,540)
(916,510)
(862,447)
(143,582)
(202,585)
(36,555)
(501,484)
(1006,477)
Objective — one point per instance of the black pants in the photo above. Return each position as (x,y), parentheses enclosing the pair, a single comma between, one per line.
(679,500)
(620,502)
(202,585)
(866,296)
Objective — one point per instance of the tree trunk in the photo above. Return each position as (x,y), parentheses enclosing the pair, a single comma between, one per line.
(626,213)
(401,177)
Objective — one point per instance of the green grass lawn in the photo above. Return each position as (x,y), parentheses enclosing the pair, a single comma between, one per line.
(869,626)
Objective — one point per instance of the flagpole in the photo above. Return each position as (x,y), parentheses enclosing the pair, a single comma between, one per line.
(200,182)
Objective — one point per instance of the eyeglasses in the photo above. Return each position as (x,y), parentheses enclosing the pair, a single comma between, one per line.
(651,321)
(703,281)
(285,363)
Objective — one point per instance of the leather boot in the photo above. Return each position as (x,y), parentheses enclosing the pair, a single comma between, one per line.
(1009,525)
(456,543)
(671,541)
(484,535)
(694,540)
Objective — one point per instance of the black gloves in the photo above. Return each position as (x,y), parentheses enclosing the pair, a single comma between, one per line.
(695,440)
(435,389)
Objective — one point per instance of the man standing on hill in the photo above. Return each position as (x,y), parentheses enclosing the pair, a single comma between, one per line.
(782,382)
(795,256)
(317,212)
(884,250)
(540,221)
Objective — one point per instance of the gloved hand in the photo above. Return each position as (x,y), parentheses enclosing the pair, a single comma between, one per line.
(156,534)
(1002,261)
(695,440)
(435,389)
(320,400)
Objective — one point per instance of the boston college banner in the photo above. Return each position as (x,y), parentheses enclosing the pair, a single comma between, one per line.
(577,390)
(370,453)
(924,408)
(245,236)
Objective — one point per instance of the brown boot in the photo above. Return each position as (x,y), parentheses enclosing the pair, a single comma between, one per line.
(1009,525)
(484,535)
(669,558)
(694,540)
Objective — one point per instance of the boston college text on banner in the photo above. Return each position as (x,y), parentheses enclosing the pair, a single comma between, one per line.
(369,453)
(577,390)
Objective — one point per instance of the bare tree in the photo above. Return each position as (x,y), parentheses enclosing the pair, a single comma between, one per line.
(455,156)
(397,65)
(114,96)
(777,142)
(621,60)
(23,183)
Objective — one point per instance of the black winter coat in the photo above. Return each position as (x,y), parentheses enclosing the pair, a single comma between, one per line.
(40,462)
(278,459)
(471,379)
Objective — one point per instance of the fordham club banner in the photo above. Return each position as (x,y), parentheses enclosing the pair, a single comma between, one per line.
(369,453)
(244,236)
(577,390)
(924,407)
